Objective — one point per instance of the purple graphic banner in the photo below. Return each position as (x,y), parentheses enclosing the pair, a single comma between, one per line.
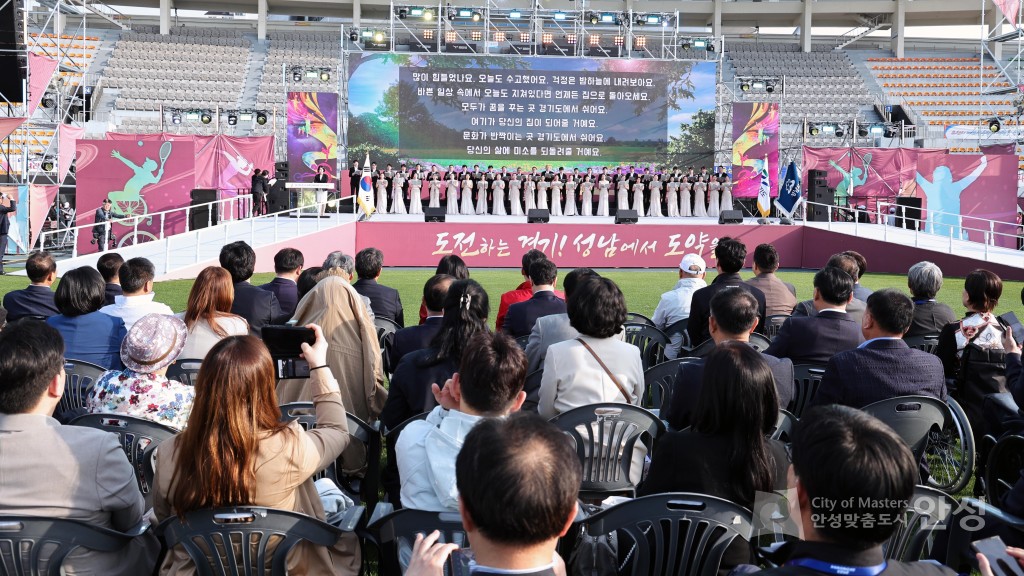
(755,132)
(312,134)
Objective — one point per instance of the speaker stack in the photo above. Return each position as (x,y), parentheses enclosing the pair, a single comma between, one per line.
(12,52)
(202,215)
(819,193)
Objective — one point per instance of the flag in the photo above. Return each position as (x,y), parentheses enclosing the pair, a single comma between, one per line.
(790,195)
(365,194)
(764,197)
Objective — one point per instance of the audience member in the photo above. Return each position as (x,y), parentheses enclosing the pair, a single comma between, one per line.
(136,277)
(815,339)
(142,388)
(848,465)
(518,480)
(306,281)
(523,315)
(855,308)
(554,328)
(236,449)
(465,314)
(523,291)
(55,471)
(108,265)
(729,254)
(450,265)
(883,366)
(385,301)
(859,292)
(419,337)
(208,316)
(88,334)
(259,307)
(35,301)
(675,304)
(725,452)
(287,268)
(930,317)
(779,296)
(733,317)
(354,352)
(489,383)
(344,266)
(1015,376)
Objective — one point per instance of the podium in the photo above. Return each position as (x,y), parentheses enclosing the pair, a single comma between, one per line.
(310,197)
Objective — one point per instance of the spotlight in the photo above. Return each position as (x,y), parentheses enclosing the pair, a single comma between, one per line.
(619,40)
(828,128)
(465,13)
(547,38)
(745,87)
(325,74)
(48,102)
(888,131)
(994,125)
(175,117)
(450,36)
(595,39)
(261,118)
(640,20)
(758,85)
(47,166)
(245,116)
(639,42)
(877,130)
(192,116)
(608,19)
(296,75)
(813,130)
(684,44)
(653,19)
(367,34)
(476,16)
(206,118)
(594,18)
(416,12)
(840,131)
(559,16)
(862,131)
(570,38)
(232,119)
(402,13)
(353,35)
(524,36)
(311,73)
(700,44)
(378,37)
(476,35)
(428,34)
(769,87)
(499,36)
(428,15)
(515,14)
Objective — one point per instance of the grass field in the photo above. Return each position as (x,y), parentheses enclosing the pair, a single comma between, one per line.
(642,288)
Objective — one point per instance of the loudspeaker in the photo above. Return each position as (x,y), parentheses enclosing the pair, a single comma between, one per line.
(908,212)
(817,174)
(824,198)
(730,217)
(281,167)
(433,214)
(277,198)
(201,216)
(537,216)
(12,53)
(626,217)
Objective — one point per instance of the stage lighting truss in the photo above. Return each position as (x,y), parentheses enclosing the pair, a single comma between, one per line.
(753,86)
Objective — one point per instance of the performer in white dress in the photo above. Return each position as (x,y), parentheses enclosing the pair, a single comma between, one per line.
(684,199)
(467,196)
(397,200)
(727,194)
(570,197)
(602,195)
(587,197)
(542,193)
(514,195)
(672,197)
(434,190)
(713,192)
(451,194)
(654,208)
(381,206)
(415,195)
(622,194)
(638,197)
(481,195)
(700,210)
(498,197)
(556,197)
(529,194)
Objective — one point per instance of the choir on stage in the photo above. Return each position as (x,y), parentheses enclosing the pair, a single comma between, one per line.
(505,191)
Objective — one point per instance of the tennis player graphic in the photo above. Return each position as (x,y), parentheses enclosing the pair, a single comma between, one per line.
(129,200)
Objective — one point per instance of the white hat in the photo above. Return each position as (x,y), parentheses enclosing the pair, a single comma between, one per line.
(692,264)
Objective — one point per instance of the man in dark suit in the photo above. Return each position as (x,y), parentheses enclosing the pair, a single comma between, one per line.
(855,309)
(108,265)
(258,307)
(37,299)
(384,300)
(730,254)
(850,470)
(925,280)
(522,316)
(102,235)
(288,264)
(7,206)
(883,366)
(815,339)
(419,337)
(733,317)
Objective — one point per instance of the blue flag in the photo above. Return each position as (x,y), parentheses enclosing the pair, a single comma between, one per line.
(790,195)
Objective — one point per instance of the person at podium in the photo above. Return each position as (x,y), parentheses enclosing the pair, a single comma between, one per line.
(321,177)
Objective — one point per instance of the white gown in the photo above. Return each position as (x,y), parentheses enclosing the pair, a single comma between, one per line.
(700,210)
(542,194)
(415,196)
(514,200)
(435,193)
(397,202)
(570,199)
(727,196)
(672,199)
(587,206)
(481,197)
(498,203)
(381,206)
(529,195)
(556,197)
(451,196)
(622,195)
(655,207)
(602,197)
(684,200)
(713,192)
(467,198)
(638,198)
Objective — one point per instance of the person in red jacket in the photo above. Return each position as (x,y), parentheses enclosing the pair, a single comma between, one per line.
(524,291)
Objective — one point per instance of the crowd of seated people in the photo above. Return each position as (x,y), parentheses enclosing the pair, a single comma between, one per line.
(472,402)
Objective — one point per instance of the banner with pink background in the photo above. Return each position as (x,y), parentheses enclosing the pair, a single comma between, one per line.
(40,200)
(755,132)
(40,71)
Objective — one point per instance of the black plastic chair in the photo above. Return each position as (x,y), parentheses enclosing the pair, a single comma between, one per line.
(637,318)
(139,440)
(605,435)
(672,534)
(702,350)
(912,417)
(34,546)
(968,518)
(394,531)
(783,430)
(651,342)
(679,327)
(248,540)
(184,370)
(927,513)
(807,379)
(1005,462)
(658,382)
(532,389)
(385,336)
(951,452)
(364,487)
(772,324)
(522,341)
(81,377)
(927,342)
(759,342)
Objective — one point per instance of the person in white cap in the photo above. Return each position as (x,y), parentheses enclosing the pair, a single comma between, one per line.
(675,304)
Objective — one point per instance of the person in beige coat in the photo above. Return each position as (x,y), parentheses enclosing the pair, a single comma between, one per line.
(236,449)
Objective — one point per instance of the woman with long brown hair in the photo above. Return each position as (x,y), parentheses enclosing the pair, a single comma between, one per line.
(208,315)
(236,450)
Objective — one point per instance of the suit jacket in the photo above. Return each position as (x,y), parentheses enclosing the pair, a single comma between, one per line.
(287,292)
(854,310)
(779,296)
(5,222)
(844,556)
(930,317)
(409,393)
(882,369)
(385,301)
(861,292)
(546,331)
(258,307)
(521,316)
(686,389)
(31,301)
(85,477)
(700,306)
(94,337)
(411,339)
(110,291)
(816,339)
